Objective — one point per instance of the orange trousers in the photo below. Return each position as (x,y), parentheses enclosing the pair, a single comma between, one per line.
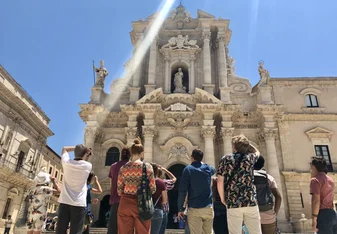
(128,218)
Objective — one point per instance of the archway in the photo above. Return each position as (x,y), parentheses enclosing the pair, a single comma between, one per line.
(103,210)
(176,170)
(185,70)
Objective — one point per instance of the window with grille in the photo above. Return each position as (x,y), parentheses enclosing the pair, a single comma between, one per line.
(112,156)
(322,151)
(311,100)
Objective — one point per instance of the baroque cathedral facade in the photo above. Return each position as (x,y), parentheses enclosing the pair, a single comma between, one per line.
(183,93)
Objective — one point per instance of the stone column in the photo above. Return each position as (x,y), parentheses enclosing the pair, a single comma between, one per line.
(222,63)
(131,134)
(208,132)
(191,77)
(167,75)
(152,67)
(208,86)
(227,134)
(136,70)
(148,132)
(4,134)
(273,166)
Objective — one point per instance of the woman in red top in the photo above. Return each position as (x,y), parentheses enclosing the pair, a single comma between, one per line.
(129,179)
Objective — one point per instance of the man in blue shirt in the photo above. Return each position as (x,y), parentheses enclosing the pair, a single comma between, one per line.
(196,183)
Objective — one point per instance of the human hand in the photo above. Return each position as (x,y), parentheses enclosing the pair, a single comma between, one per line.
(96,179)
(314,224)
(52,179)
(180,215)
(95,201)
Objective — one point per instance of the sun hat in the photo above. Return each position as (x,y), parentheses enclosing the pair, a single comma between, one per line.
(42,178)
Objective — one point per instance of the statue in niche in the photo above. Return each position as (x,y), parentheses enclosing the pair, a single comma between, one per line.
(178,82)
(101,74)
(264,75)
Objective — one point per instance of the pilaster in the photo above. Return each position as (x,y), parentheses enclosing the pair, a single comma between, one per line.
(208,133)
(208,86)
(149,132)
(131,134)
(227,134)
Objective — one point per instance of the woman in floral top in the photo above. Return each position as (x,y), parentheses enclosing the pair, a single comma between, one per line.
(129,179)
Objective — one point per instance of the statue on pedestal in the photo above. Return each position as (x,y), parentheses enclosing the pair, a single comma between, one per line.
(264,75)
(178,82)
(101,74)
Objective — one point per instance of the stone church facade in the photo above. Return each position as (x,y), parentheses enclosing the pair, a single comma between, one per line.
(183,93)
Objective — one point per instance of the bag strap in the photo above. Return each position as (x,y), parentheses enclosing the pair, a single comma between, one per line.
(157,200)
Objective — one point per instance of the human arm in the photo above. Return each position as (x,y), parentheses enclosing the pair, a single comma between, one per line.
(315,189)
(186,199)
(97,190)
(183,189)
(278,199)
(164,196)
(65,153)
(56,188)
(221,173)
(169,174)
(255,150)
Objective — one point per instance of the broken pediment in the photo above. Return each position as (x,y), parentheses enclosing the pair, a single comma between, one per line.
(319,132)
(156,96)
(202,14)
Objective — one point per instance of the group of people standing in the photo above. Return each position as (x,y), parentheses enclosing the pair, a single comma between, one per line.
(239,192)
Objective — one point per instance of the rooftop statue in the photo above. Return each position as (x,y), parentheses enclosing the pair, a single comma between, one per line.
(264,75)
(101,74)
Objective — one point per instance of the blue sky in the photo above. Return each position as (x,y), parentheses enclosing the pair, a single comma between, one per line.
(48,46)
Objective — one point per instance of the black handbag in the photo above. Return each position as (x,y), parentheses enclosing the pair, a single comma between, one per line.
(144,196)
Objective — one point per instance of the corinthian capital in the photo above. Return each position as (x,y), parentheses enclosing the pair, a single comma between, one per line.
(221,38)
(149,131)
(206,35)
(99,136)
(131,132)
(208,131)
(89,132)
(227,132)
(267,135)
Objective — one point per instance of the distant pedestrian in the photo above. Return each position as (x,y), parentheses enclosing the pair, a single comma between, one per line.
(8,224)
(169,186)
(114,197)
(92,179)
(266,190)
(196,182)
(159,199)
(133,176)
(322,190)
(73,197)
(236,188)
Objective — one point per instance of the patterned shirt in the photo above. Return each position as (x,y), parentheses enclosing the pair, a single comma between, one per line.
(238,172)
(130,177)
(169,184)
(38,200)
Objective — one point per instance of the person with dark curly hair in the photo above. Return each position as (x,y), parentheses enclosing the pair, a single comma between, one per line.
(114,197)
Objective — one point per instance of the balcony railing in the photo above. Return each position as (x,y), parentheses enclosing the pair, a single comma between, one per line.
(12,165)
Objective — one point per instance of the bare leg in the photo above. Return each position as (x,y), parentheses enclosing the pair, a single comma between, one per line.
(30,232)
(37,232)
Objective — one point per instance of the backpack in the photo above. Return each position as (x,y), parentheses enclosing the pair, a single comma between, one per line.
(263,192)
(144,197)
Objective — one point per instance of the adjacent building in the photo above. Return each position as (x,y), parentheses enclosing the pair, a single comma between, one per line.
(23,134)
(184,93)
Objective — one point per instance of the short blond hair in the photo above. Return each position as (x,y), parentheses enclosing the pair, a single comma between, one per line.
(241,144)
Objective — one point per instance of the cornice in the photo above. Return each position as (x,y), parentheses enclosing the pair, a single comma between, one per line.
(304,81)
(309,117)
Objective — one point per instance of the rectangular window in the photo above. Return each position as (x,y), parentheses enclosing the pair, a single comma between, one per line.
(311,100)
(56,173)
(50,170)
(323,152)
(61,178)
(8,203)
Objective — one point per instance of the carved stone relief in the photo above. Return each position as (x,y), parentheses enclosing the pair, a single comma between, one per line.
(178,151)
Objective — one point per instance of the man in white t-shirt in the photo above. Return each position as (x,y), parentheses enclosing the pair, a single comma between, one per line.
(74,189)
(8,224)
(266,187)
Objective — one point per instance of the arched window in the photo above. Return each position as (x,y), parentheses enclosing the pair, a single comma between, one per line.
(311,100)
(112,156)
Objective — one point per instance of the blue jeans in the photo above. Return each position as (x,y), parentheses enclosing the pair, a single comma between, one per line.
(156,221)
(327,222)
(164,223)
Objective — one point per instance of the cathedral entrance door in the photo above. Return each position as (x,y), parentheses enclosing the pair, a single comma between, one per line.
(104,212)
(176,170)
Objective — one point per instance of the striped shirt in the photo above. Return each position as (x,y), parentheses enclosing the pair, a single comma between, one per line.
(169,184)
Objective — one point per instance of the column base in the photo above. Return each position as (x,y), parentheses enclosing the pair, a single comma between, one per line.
(225,95)
(264,95)
(97,95)
(149,88)
(209,88)
(134,94)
